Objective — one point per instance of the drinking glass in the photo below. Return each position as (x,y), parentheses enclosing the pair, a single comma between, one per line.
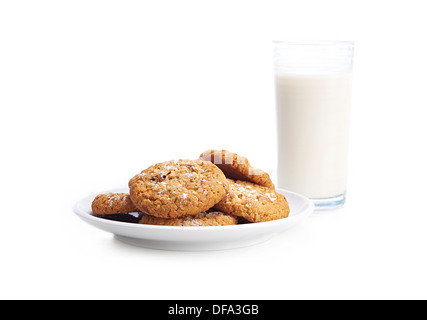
(313,96)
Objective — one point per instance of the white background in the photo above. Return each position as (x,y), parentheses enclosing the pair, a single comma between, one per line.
(92,92)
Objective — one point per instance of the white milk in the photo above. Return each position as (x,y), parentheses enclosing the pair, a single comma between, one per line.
(313,119)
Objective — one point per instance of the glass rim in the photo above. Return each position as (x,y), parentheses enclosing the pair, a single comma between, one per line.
(313,42)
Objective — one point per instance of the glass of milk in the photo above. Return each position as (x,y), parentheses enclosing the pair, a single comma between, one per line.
(313,97)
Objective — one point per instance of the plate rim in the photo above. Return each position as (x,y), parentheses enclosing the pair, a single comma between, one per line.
(247,226)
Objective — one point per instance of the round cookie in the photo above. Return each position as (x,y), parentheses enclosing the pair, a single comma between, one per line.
(253,202)
(112,203)
(200,219)
(180,188)
(237,167)
(115,206)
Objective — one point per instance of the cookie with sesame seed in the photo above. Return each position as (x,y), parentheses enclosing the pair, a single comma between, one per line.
(115,206)
(237,167)
(253,202)
(180,188)
(197,220)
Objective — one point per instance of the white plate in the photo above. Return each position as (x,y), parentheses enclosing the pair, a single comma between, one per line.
(197,238)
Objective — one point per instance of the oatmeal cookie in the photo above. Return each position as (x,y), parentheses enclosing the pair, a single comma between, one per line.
(253,202)
(237,167)
(180,188)
(115,206)
(112,203)
(214,218)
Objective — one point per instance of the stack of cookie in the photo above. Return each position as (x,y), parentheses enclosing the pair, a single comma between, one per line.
(219,188)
